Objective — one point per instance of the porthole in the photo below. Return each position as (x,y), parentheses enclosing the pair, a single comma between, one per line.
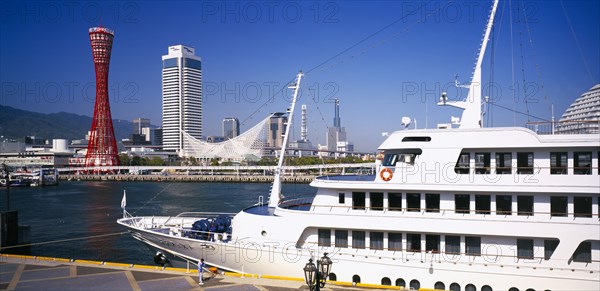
(486,288)
(513,289)
(415,284)
(454,287)
(332,277)
(439,286)
(386,281)
(356,279)
(470,287)
(263,233)
(400,282)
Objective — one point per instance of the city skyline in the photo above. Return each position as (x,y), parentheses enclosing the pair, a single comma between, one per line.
(381,61)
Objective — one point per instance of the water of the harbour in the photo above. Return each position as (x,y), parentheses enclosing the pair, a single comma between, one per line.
(75,210)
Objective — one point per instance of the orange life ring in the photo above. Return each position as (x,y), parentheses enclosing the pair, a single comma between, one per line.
(386,174)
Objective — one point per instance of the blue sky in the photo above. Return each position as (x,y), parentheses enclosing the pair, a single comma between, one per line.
(378,57)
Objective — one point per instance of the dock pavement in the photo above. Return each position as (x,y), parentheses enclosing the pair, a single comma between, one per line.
(18,272)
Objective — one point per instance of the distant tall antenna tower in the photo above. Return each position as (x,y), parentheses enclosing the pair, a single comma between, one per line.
(102,147)
(304,128)
(336,119)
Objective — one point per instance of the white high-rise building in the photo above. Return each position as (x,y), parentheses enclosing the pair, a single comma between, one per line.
(181,96)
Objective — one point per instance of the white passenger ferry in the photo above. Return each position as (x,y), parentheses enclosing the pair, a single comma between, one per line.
(465,208)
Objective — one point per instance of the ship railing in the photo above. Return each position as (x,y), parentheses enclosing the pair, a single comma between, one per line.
(442,211)
(439,254)
(565,127)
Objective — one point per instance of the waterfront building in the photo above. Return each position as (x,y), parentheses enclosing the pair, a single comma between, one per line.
(583,116)
(231,127)
(157,136)
(181,96)
(215,139)
(148,134)
(34,140)
(336,135)
(139,124)
(276,128)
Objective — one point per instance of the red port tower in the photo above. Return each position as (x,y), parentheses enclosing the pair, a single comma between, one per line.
(102,147)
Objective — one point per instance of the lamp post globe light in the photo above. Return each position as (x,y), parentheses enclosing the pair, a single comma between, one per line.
(316,276)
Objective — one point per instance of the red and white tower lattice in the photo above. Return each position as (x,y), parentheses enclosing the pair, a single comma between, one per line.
(102,147)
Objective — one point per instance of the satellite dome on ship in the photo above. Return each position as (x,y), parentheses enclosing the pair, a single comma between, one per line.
(583,116)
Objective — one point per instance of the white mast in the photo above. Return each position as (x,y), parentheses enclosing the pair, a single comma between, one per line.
(276,188)
(471,116)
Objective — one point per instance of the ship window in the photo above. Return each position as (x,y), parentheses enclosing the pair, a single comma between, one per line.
(452,244)
(432,202)
(486,288)
(413,242)
(525,205)
(503,163)
(525,248)
(473,246)
(513,289)
(583,253)
(583,163)
(404,155)
(558,163)
(482,163)
(582,206)
(503,204)
(432,243)
(439,286)
(415,284)
(524,163)
(470,287)
(395,201)
(332,277)
(394,241)
(385,281)
(376,201)
(341,238)
(462,165)
(454,287)
(356,279)
(342,198)
(376,240)
(358,239)
(416,138)
(358,200)
(400,282)
(549,248)
(413,202)
(389,160)
(324,237)
(558,206)
(482,204)
(462,203)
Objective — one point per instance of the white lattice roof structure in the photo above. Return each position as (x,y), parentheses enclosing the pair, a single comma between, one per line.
(247,145)
(583,116)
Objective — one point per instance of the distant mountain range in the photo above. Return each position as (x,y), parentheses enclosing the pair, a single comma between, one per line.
(17,124)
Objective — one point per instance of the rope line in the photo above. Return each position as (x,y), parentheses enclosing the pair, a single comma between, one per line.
(519,112)
(65,240)
(587,67)
(156,195)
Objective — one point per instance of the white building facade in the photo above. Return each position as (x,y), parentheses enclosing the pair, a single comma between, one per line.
(181,96)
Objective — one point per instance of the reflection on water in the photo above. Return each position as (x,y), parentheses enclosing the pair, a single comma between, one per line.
(83,209)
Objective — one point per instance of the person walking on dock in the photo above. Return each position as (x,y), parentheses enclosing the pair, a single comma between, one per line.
(201,267)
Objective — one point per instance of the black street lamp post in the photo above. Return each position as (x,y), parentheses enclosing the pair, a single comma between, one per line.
(316,276)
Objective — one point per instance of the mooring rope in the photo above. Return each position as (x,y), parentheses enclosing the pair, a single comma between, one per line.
(65,240)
